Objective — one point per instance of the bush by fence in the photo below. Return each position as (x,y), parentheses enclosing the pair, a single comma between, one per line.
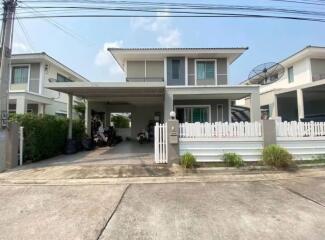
(45,136)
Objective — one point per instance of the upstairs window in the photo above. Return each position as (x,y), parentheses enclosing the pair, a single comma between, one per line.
(61,78)
(205,70)
(176,69)
(19,74)
(290,75)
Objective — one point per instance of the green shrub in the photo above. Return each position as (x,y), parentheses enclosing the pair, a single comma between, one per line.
(188,160)
(276,156)
(45,136)
(233,160)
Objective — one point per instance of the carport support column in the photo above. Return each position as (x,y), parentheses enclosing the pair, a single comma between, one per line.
(300,104)
(255,112)
(87,118)
(70,116)
(168,105)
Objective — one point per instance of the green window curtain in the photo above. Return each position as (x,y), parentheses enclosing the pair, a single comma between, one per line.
(61,78)
(19,75)
(209,66)
(205,70)
(200,71)
(200,115)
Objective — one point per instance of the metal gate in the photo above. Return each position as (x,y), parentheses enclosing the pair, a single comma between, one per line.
(161,154)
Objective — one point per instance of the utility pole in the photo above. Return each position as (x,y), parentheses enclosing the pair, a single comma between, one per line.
(9,8)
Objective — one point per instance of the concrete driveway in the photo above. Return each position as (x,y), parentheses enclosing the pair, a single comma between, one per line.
(278,209)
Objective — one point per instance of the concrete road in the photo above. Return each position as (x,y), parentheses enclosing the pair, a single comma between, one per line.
(290,209)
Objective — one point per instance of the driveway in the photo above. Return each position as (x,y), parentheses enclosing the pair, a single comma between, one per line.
(290,209)
(126,152)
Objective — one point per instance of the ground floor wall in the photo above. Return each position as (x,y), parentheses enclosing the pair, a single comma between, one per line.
(217,113)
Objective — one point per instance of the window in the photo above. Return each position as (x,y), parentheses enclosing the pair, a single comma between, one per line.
(192,114)
(19,74)
(61,78)
(176,69)
(290,75)
(205,70)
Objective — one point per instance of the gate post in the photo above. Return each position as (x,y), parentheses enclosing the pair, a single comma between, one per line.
(172,139)
(269,132)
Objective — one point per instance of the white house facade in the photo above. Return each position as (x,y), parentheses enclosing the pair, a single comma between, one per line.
(28,76)
(300,92)
(193,82)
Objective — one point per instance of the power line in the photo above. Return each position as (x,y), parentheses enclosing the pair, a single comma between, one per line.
(62,27)
(26,35)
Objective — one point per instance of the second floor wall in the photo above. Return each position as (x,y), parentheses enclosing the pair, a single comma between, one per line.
(179,71)
(301,72)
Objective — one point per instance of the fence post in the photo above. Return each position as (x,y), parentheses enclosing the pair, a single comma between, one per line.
(21,145)
(12,146)
(172,139)
(269,132)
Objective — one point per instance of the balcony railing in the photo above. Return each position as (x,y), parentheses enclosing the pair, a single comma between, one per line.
(145,79)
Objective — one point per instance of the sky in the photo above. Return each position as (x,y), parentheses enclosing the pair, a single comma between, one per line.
(84,49)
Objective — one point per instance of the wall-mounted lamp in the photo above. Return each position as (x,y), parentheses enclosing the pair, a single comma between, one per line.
(46,68)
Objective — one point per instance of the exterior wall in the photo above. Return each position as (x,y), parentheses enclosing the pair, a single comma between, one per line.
(212,103)
(56,108)
(317,68)
(139,71)
(301,76)
(135,69)
(181,80)
(39,75)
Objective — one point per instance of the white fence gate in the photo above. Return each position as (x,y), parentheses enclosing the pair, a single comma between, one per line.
(161,153)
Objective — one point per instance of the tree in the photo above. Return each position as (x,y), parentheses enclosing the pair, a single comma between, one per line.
(80,109)
(120,121)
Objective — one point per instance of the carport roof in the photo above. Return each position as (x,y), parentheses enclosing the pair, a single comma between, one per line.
(113,92)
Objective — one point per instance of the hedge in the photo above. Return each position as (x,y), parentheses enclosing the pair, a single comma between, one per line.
(45,136)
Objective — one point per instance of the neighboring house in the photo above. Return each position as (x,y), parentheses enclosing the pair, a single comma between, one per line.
(300,93)
(28,76)
(193,82)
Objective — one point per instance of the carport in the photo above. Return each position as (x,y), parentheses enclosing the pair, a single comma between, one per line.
(143,101)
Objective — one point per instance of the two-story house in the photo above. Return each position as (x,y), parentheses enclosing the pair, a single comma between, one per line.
(300,92)
(28,76)
(193,82)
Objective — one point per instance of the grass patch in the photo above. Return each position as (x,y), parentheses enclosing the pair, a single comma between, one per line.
(188,160)
(233,160)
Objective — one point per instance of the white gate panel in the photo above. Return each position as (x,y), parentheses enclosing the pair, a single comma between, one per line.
(161,153)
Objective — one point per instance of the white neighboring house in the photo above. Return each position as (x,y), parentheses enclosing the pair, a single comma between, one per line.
(28,76)
(300,93)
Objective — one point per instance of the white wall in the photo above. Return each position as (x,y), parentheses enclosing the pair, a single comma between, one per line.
(302,75)
(303,148)
(212,149)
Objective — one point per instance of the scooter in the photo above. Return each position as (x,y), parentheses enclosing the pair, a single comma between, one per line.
(143,137)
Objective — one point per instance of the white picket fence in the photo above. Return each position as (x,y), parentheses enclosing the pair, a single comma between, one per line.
(300,129)
(161,153)
(220,130)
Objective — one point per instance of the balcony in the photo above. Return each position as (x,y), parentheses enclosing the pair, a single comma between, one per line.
(145,79)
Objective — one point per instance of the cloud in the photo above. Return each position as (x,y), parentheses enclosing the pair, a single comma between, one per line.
(167,35)
(107,63)
(19,47)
